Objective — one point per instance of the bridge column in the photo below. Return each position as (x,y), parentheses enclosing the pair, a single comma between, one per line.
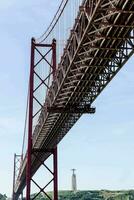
(30,122)
(31,152)
(17,163)
(55,159)
(14,175)
(53,172)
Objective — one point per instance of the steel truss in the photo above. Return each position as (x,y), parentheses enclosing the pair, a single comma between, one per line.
(95,52)
(100,43)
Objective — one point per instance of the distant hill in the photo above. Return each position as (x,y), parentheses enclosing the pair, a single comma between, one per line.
(93,195)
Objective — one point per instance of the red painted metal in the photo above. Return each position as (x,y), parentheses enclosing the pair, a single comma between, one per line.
(32,98)
(30,123)
(43,45)
(55,174)
(54,57)
(55,164)
(13,194)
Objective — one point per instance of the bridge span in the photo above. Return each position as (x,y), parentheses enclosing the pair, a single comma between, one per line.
(98,44)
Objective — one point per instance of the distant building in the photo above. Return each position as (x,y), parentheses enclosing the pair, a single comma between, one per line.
(74,182)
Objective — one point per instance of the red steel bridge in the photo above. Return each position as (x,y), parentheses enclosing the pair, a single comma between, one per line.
(85,46)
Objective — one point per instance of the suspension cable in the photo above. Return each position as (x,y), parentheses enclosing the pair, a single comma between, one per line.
(54,21)
(25,123)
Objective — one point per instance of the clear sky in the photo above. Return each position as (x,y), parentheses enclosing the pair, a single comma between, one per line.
(100,146)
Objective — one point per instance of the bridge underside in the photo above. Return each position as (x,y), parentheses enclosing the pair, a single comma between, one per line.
(100,43)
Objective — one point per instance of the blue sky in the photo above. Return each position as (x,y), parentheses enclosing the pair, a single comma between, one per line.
(100,146)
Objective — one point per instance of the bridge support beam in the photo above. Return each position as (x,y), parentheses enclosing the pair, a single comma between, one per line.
(33,98)
(30,122)
(55,160)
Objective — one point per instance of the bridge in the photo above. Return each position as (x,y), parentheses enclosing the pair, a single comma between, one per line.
(85,46)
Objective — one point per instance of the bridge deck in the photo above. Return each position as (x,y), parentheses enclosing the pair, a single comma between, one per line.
(100,43)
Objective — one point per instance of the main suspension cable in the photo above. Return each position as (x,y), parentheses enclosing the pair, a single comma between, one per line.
(25,124)
(53,23)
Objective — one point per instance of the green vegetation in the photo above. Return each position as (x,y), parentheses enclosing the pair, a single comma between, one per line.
(92,195)
(3,197)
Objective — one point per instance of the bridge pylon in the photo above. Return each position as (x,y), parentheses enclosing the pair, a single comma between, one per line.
(17,164)
(43,50)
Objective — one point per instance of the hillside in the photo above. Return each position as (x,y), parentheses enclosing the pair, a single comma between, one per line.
(93,195)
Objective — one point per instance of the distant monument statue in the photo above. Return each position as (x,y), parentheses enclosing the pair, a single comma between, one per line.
(74,183)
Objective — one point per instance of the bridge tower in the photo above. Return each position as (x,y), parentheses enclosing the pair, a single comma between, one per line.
(37,49)
(17,164)
(50,49)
